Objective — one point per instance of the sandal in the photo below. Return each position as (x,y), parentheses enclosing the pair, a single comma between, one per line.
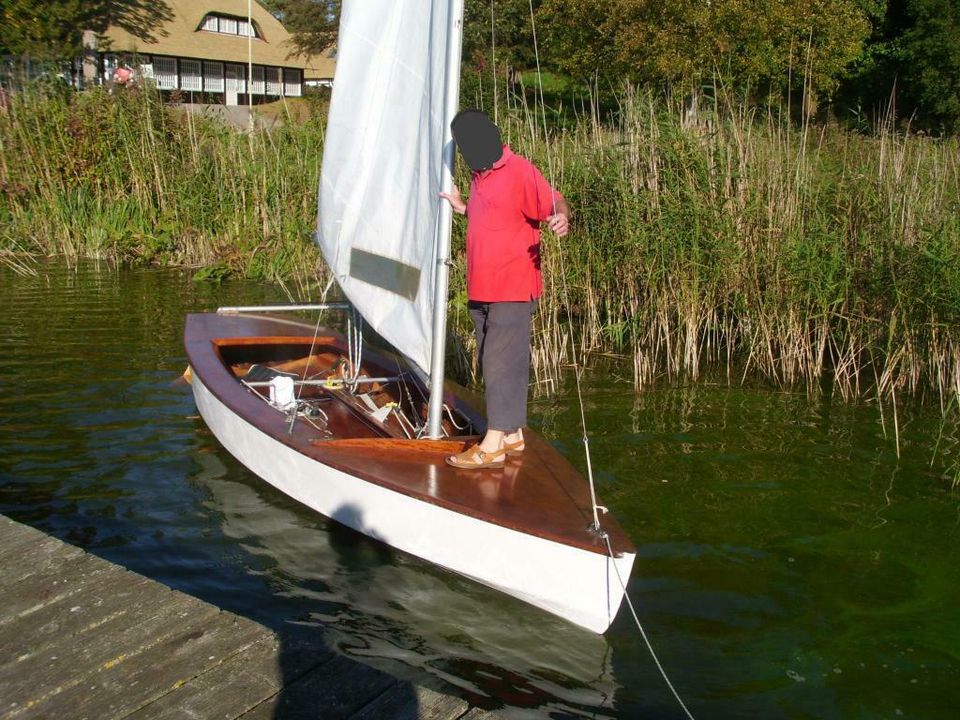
(514,448)
(474,458)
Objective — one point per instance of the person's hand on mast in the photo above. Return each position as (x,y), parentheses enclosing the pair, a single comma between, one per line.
(456,202)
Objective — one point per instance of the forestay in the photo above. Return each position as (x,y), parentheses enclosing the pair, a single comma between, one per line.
(379,188)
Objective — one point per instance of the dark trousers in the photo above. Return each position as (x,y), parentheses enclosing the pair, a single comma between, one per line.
(503,346)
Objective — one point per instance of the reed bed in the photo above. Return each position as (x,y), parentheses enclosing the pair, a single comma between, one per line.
(127,178)
(805,256)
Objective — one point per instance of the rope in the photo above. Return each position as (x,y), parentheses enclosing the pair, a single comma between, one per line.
(643,633)
(563,278)
(316,334)
(583,418)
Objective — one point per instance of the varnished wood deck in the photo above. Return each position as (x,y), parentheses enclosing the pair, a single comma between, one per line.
(81,637)
(539,493)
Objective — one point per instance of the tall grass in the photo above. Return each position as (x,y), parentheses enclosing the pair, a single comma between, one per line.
(807,256)
(127,178)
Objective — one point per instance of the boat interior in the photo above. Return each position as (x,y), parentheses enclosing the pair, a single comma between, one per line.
(319,382)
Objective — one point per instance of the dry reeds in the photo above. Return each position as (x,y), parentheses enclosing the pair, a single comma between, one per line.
(806,256)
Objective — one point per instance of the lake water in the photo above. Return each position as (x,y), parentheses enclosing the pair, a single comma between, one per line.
(789,564)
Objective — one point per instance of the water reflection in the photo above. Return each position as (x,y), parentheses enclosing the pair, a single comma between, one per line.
(400,614)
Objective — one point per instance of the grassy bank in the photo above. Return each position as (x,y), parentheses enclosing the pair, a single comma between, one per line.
(805,256)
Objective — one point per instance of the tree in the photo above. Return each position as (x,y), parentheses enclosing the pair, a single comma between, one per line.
(910,65)
(313,24)
(930,63)
(769,44)
(54,30)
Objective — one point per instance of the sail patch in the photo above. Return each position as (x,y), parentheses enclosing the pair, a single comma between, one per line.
(383,272)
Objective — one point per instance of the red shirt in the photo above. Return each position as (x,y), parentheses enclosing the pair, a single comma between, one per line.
(506,206)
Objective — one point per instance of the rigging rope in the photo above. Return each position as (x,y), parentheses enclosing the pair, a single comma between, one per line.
(576,367)
(316,333)
(636,619)
(563,278)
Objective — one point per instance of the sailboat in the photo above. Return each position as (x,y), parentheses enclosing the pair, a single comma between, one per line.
(358,434)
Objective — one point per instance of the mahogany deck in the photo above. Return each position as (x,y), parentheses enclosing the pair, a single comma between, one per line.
(538,493)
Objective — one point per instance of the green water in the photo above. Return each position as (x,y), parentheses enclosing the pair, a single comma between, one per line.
(790,565)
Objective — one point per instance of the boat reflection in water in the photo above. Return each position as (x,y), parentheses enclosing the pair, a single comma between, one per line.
(405,616)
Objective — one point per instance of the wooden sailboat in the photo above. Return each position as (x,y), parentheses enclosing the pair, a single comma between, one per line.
(361,437)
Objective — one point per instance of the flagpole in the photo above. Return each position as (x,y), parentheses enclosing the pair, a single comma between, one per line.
(250,62)
(444,223)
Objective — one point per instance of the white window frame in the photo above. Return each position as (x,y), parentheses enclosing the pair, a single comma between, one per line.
(211,23)
(191,75)
(212,76)
(111,62)
(228,25)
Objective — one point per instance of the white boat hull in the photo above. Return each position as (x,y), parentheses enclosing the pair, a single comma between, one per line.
(577,585)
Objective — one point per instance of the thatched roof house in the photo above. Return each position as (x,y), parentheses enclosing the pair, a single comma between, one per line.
(211,47)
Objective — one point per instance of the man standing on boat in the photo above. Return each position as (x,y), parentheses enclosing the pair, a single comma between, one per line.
(509,199)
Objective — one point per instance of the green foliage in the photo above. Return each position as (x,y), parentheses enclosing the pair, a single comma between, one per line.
(930,60)
(53,30)
(740,241)
(312,23)
(910,68)
(771,45)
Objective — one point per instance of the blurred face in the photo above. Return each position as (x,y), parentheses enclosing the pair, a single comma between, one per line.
(478,139)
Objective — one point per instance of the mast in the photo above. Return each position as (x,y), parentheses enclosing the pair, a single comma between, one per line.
(444,222)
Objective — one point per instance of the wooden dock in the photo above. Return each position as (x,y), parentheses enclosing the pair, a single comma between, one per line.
(81,637)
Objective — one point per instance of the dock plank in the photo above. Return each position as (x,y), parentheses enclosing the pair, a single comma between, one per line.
(53,584)
(138,679)
(240,683)
(82,638)
(86,606)
(227,690)
(40,676)
(403,702)
(38,553)
(336,690)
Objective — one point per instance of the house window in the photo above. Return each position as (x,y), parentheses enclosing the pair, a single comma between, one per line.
(236,79)
(212,77)
(165,73)
(274,81)
(291,83)
(257,84)
(110,63)
(228,25)
(190,77)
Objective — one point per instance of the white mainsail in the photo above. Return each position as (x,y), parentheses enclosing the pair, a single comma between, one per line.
(379,198)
